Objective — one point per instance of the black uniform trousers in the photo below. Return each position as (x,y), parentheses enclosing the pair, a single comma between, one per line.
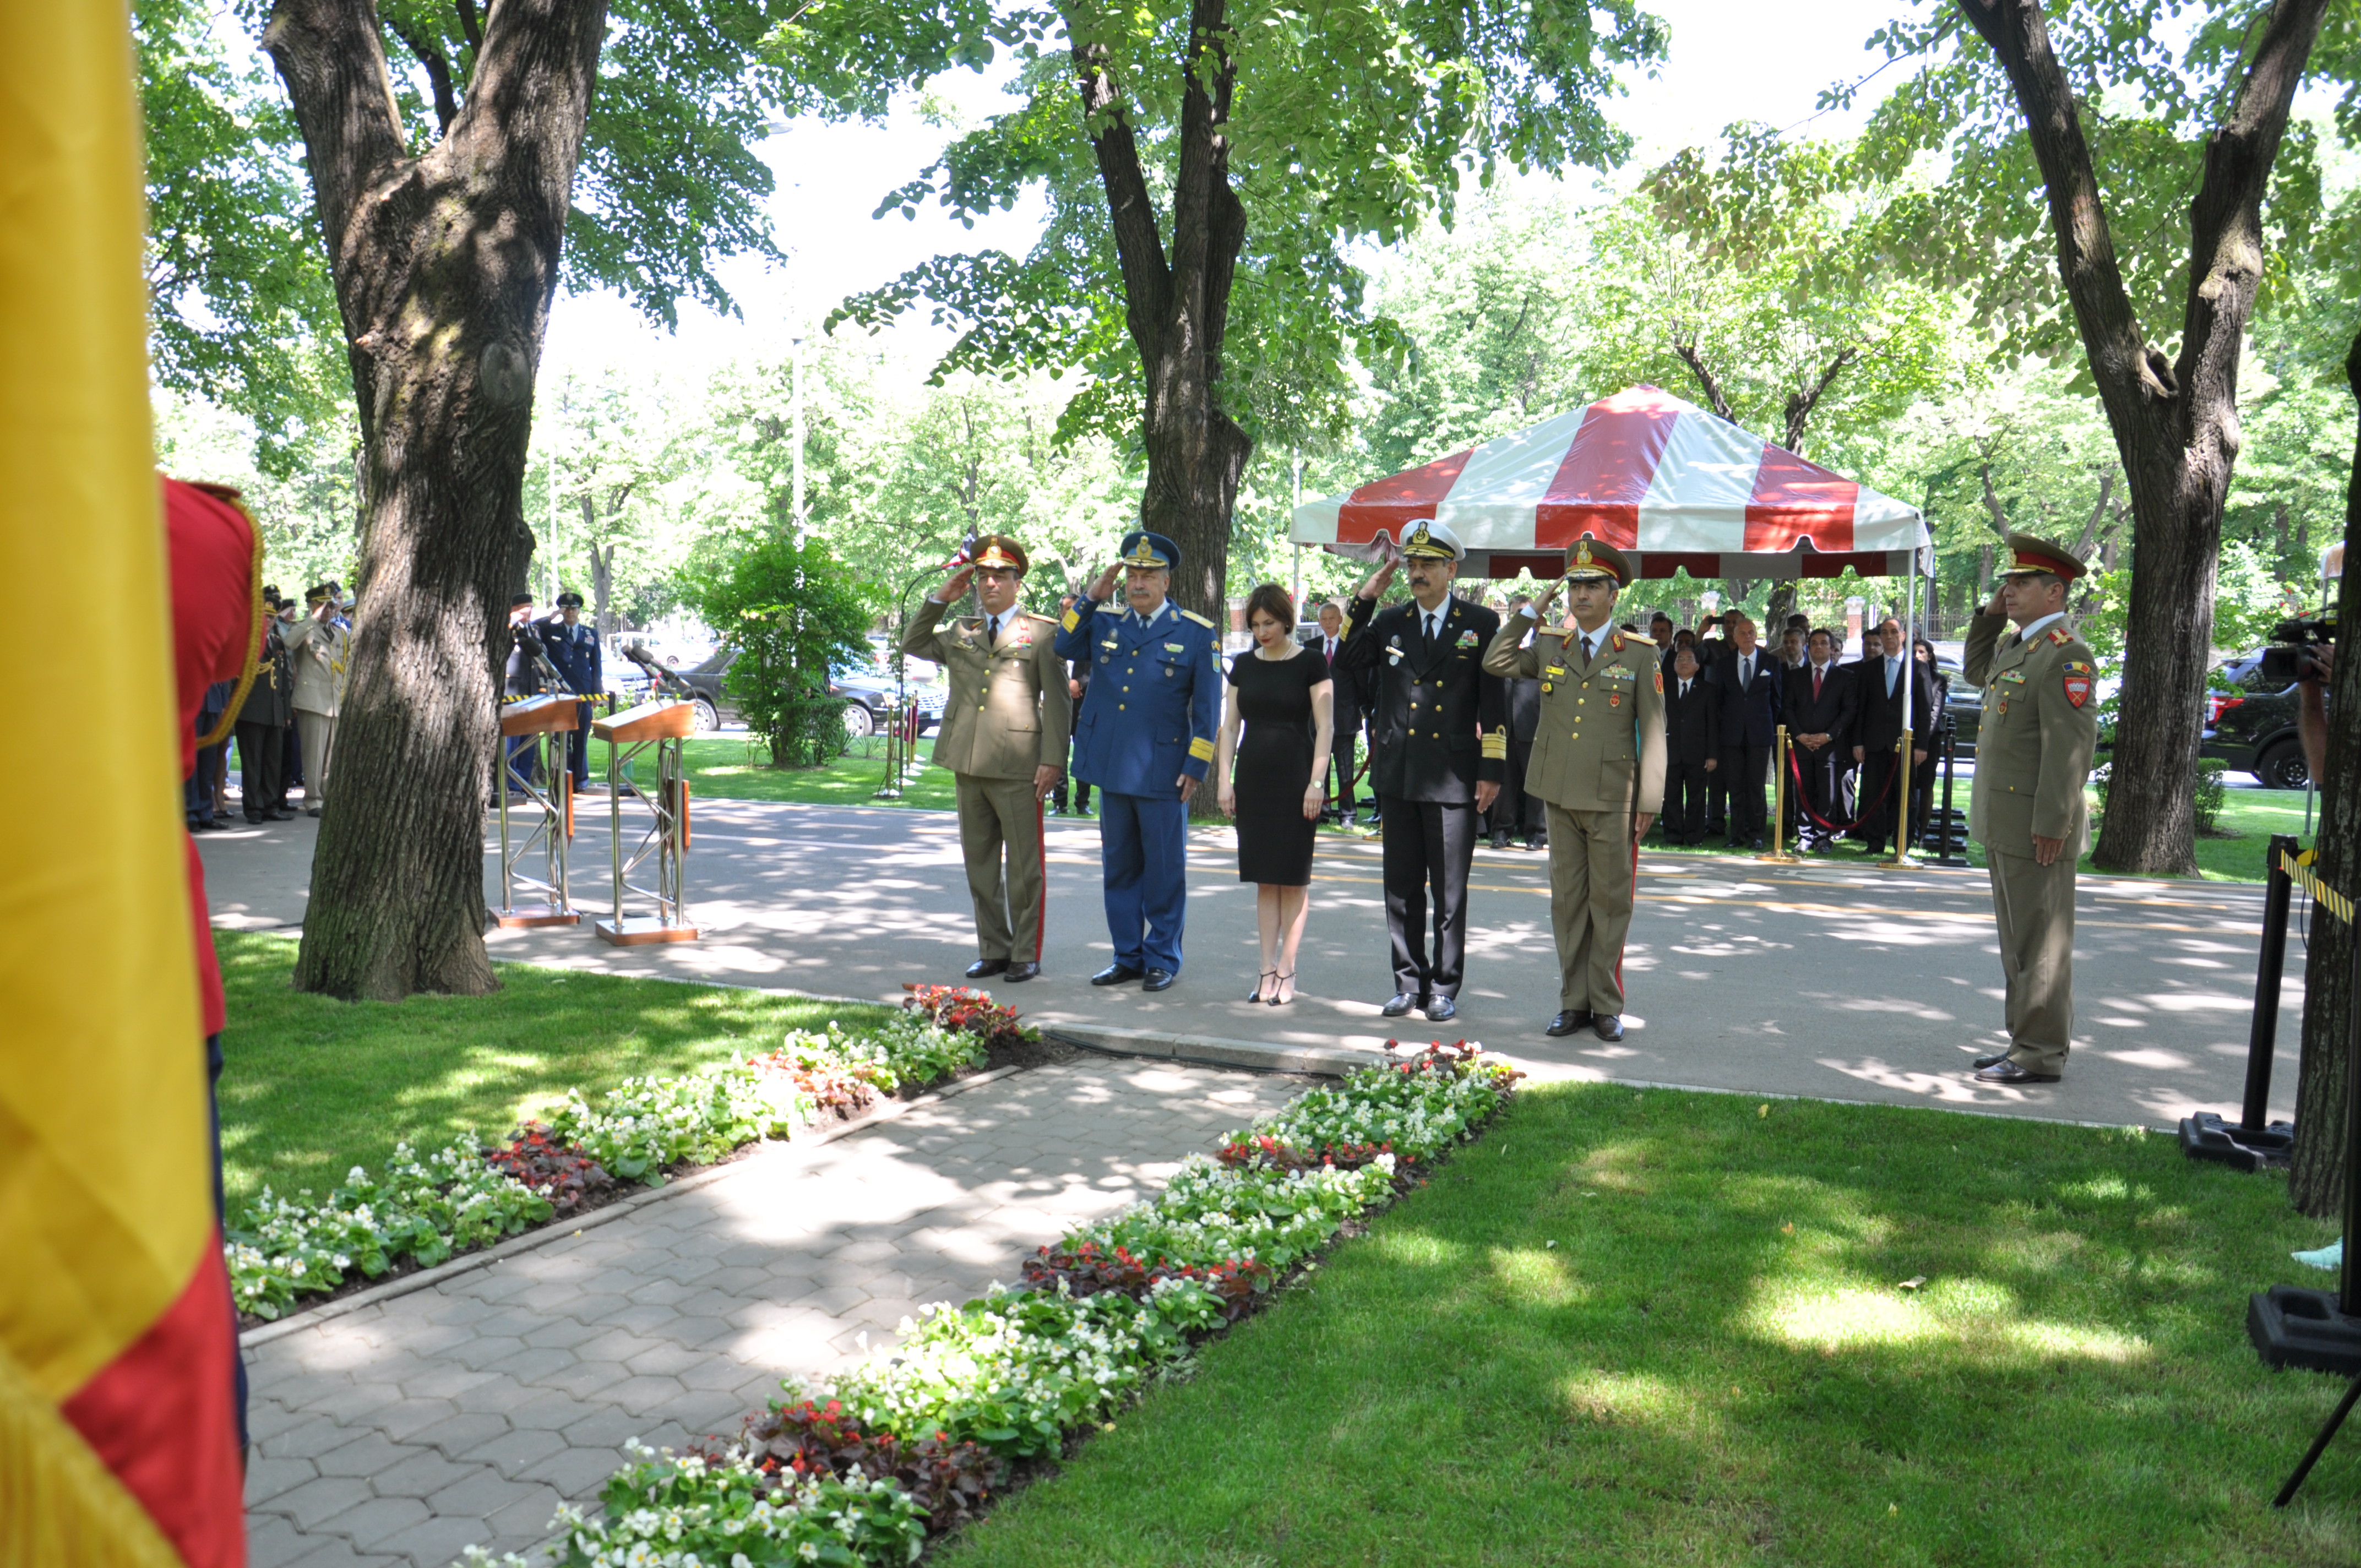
(1878,771)
(578,746)
(1531,817)
(1744,771)
(1428,848)
(262,768)
(1717,801)
(1340,768)
(1685,800)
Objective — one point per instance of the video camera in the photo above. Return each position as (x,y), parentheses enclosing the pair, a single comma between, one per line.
(2293,654)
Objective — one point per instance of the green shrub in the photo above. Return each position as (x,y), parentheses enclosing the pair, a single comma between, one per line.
(793,612)
(2209,794)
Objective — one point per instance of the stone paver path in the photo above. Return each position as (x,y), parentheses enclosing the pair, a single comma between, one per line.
(463,1414)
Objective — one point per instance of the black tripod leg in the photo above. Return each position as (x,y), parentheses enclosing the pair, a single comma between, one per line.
(2319,1446)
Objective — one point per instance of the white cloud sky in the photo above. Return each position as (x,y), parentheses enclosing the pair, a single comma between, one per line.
(1731,60)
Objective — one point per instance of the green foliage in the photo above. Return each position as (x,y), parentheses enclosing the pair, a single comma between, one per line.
(1349,122)
(240,311)
(2211,791)
(794,612)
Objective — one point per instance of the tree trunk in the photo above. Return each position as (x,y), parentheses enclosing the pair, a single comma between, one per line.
(2175,421)
(602,590)
(1176,305)
(443,266)
(2316,1176)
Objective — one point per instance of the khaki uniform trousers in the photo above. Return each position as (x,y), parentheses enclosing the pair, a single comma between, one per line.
(2034,906)
(1592,863)
(1002,818)
(319,735)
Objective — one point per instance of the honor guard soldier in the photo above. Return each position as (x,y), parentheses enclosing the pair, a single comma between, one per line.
(1004,737)
(2040,725)
(1145,738)
(1598,761)
(573,649)
(1438,748)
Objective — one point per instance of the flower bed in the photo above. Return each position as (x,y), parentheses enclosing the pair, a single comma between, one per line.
(1013,1378)
(420,1212)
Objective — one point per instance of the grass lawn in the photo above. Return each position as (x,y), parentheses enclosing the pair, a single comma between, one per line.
(1716,1362)
(723,768)
(313,1087)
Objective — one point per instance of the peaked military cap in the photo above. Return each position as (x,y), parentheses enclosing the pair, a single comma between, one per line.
(2027,553)
(569,600)
(1141,548)
(999,551)
(1591,562)
(316,594)
(1431,542)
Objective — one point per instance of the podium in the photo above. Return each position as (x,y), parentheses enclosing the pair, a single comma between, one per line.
(543,723)
(661,725)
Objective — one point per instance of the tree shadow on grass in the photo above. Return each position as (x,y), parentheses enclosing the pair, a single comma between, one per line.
(312,1086)
(1718,1362)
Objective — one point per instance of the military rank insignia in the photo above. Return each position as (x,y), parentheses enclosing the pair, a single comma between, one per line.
(2078,682)
(1660,683)
(1468,640)
(1073,618)
(2060,636)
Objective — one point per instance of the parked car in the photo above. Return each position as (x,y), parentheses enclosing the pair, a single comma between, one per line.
(700,683)
(869,698)
(2252,727)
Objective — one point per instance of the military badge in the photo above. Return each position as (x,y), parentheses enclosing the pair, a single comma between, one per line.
(1660,683)
(1468,640)
(2078,686)
(1174,648)
(1614,699)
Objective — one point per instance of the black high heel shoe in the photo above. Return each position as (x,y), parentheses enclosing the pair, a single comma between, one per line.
(1288,979)
(1255,995)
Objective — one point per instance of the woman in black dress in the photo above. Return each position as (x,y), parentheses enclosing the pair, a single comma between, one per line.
(1280,692)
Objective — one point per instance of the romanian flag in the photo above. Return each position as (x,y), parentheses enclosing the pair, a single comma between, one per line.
(117,1441)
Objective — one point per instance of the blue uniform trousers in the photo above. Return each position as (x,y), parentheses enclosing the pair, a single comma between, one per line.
(1144,860)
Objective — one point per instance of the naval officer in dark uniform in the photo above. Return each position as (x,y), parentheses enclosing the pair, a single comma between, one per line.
(573,649)
(1145,737)
(1438,748)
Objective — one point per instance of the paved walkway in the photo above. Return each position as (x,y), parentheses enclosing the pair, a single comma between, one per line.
(1831,979)
(463,1414)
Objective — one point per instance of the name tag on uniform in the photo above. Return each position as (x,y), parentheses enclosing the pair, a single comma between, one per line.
(1553,670)
(2013,677)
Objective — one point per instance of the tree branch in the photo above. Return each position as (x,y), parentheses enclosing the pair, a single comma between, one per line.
(469,28)
(1801,404)
(2082,546)
(1139,248)
(438,73)
(1994,517)
(329,54)
(1688,355)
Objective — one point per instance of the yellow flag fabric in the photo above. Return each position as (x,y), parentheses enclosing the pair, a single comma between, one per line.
(105,1206)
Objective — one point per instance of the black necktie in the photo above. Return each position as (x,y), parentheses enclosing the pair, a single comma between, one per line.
(992,632)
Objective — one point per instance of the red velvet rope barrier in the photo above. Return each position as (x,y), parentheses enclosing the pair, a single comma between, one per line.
(1802,803)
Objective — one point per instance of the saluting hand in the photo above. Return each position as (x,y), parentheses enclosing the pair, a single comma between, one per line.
(1379,580)
(1548,596)
(1105,584)
(955,587)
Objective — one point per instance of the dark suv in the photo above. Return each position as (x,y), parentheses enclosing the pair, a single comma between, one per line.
(2252,726)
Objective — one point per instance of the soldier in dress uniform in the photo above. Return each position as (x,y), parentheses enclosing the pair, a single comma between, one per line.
(1004,735)
(1439,747)
(2033,756)
(573,649)
(1145,738)
(1599,761)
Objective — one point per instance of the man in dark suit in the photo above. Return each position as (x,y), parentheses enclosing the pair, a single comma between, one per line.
(1436,754)
(1752,694)
(1711,646)
(1329,642)
(1693,746)
(1822,704)
(1875,741)
(1517,812)
(573,649)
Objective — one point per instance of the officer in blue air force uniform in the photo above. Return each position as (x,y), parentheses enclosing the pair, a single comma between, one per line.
(1146,738)
(573,649)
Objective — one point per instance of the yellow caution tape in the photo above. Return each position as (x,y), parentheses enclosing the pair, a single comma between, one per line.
(2299,867)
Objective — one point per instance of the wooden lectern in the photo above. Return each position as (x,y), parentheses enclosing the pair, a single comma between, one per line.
(543,723)
(663,725)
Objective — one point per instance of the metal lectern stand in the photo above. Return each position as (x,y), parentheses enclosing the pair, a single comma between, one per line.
(663,725)
(543,723)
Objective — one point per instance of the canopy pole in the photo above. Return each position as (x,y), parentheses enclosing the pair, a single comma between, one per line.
(1901,861)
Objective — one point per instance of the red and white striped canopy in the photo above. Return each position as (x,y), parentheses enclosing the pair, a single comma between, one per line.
(1665,482)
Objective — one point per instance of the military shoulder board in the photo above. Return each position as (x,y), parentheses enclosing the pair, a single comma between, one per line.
(1193,615)
(2060,636)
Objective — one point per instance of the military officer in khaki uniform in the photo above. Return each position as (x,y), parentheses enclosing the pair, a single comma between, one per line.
(2033,756)
(1004,737)
(1598,761)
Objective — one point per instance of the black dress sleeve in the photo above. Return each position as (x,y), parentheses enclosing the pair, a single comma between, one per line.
(1237,663)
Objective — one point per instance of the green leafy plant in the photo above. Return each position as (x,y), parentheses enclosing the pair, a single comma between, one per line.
(794,613)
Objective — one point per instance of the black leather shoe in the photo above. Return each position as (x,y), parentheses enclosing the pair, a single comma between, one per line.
(1501,840)
(984,968)
(1400,1007)
(1607,1027)
(1114,974)
(1755,843)
(1567,1021)
(1735,844)
(1440,1010)
(1018,974)
(1159,980)
(2006,1071)
(1990,1058)
(281,814)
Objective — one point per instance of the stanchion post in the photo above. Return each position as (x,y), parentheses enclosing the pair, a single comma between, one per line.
(2262,1037)
(1779,801)
(1950,772)
(2348,1281)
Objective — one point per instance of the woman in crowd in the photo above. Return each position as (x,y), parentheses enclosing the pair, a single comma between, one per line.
(1281,695)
